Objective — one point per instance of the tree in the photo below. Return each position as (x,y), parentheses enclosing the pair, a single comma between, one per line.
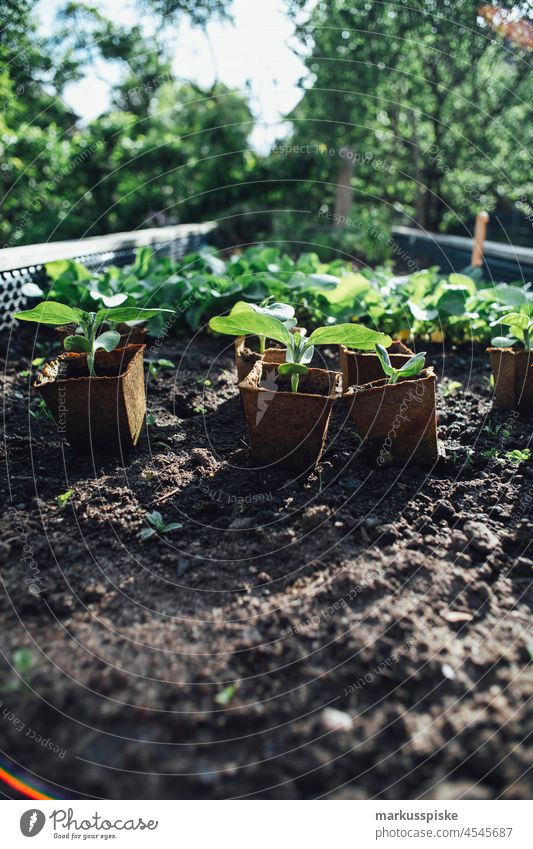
(425,90)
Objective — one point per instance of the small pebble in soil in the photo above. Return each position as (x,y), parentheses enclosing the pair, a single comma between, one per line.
(335,720)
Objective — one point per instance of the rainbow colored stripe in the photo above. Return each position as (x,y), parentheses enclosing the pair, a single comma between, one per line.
(22,787)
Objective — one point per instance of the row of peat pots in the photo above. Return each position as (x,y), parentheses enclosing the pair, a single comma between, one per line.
(396,422)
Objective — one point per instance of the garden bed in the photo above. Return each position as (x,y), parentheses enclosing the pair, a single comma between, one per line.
(202,663)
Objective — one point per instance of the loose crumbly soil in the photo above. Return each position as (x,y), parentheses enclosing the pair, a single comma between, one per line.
(201,664)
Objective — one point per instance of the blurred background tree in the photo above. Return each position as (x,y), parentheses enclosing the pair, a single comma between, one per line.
(430,100)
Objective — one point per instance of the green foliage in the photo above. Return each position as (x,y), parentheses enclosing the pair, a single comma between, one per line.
(245,320)
(432,102)
(64,498)
(157,525)
(520,326)
(411,368)
(88,340)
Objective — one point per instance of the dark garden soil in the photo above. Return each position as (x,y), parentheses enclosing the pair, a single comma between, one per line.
(205,663)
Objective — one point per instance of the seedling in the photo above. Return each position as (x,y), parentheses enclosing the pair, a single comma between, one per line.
(155,368)
(521,330)
(245,319)
(64,498)
(451,388)
(88,340)
(42,412)
(24,661)
(226,695)
(157,525)
(411,368)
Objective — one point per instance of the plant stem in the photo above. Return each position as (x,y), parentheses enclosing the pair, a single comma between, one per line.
(262,341)
(295,380)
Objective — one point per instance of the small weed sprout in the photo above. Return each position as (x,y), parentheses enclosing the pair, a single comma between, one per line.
(451,388)
(518,455)
(88,338)
(245,320)
(155,367)
(157,525)
(411,368)
(24,661)
(64,498)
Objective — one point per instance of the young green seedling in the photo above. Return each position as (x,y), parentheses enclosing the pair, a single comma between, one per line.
(409,369)
(157,525)
(89,339)
(245,320)
(521,329)
(283,312)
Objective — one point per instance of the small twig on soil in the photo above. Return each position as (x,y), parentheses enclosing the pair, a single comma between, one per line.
(166,495)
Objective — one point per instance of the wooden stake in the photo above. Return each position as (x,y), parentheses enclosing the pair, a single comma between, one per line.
(480,233)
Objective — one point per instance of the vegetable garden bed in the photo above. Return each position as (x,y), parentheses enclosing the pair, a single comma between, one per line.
(204,660)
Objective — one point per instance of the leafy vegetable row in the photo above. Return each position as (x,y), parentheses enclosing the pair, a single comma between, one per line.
(427,304)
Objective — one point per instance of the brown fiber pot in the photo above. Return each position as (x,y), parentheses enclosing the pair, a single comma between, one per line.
(104,412)
(360,367)
(513,379)
(245,358)
(128,335)
(288,429)
(397,422)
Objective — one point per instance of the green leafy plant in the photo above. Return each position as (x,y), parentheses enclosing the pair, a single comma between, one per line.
(520,329)
(64,498)
(518,455)
(157,525)
(226,695)
(89,339)
(451,388)
(155,367)
(411,368)
(24,661)
(244,320)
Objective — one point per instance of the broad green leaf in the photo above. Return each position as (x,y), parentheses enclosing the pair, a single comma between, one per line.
(75,269)
(108,300)
(414,365)
(463,281)
(503,342)
(155,518)
(283,312)
(514,319)
(172,526)
(123,314)
(292,368)
(50,312)
(420,313)
(76,343)
(243,320)
(353,335)
(108,341)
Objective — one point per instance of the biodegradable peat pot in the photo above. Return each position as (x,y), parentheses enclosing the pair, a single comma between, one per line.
(397,421)
(360,367)
(135,335)
(245,358)
(288,429)
(513,379)
(104,412)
